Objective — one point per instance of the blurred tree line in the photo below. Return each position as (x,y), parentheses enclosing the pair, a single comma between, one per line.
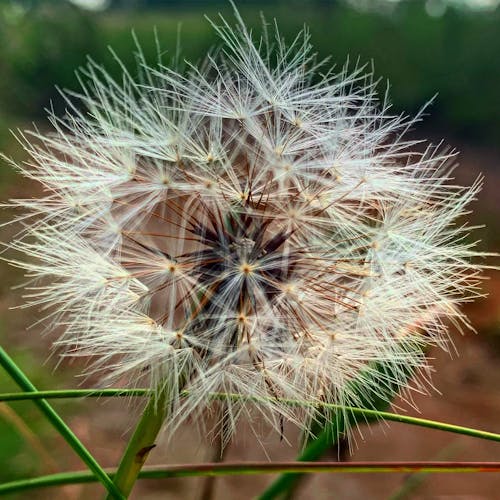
(455,55)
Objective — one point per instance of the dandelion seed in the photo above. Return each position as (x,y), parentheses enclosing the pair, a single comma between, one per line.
(255,226)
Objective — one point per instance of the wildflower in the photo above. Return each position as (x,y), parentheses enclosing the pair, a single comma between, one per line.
(254,226)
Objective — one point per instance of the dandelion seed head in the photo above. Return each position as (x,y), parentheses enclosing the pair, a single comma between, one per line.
(254,226)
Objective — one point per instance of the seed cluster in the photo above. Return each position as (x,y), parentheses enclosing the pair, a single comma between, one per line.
(256,226)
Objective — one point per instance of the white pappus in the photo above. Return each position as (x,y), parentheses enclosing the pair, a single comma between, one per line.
(256,226)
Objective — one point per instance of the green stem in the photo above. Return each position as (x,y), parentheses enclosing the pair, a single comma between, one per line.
(58,423)
(141,442)
(252,468)
(73,393)
(365,412)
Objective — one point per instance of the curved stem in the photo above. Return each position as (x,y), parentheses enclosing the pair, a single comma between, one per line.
(421,422)
(58,423)
(73,393)
(253,468)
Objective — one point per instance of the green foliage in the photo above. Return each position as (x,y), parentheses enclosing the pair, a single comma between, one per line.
(40,47)
(453,55)
(15,457)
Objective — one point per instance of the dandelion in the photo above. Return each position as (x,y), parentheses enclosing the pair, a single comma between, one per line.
(257,226)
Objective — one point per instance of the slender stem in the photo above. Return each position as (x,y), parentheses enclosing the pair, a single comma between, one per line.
(412,481)
(141,443)
(253,468)
(58,423)
(383,415)
(74,393)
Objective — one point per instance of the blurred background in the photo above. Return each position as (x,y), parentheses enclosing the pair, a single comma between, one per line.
(446,47)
